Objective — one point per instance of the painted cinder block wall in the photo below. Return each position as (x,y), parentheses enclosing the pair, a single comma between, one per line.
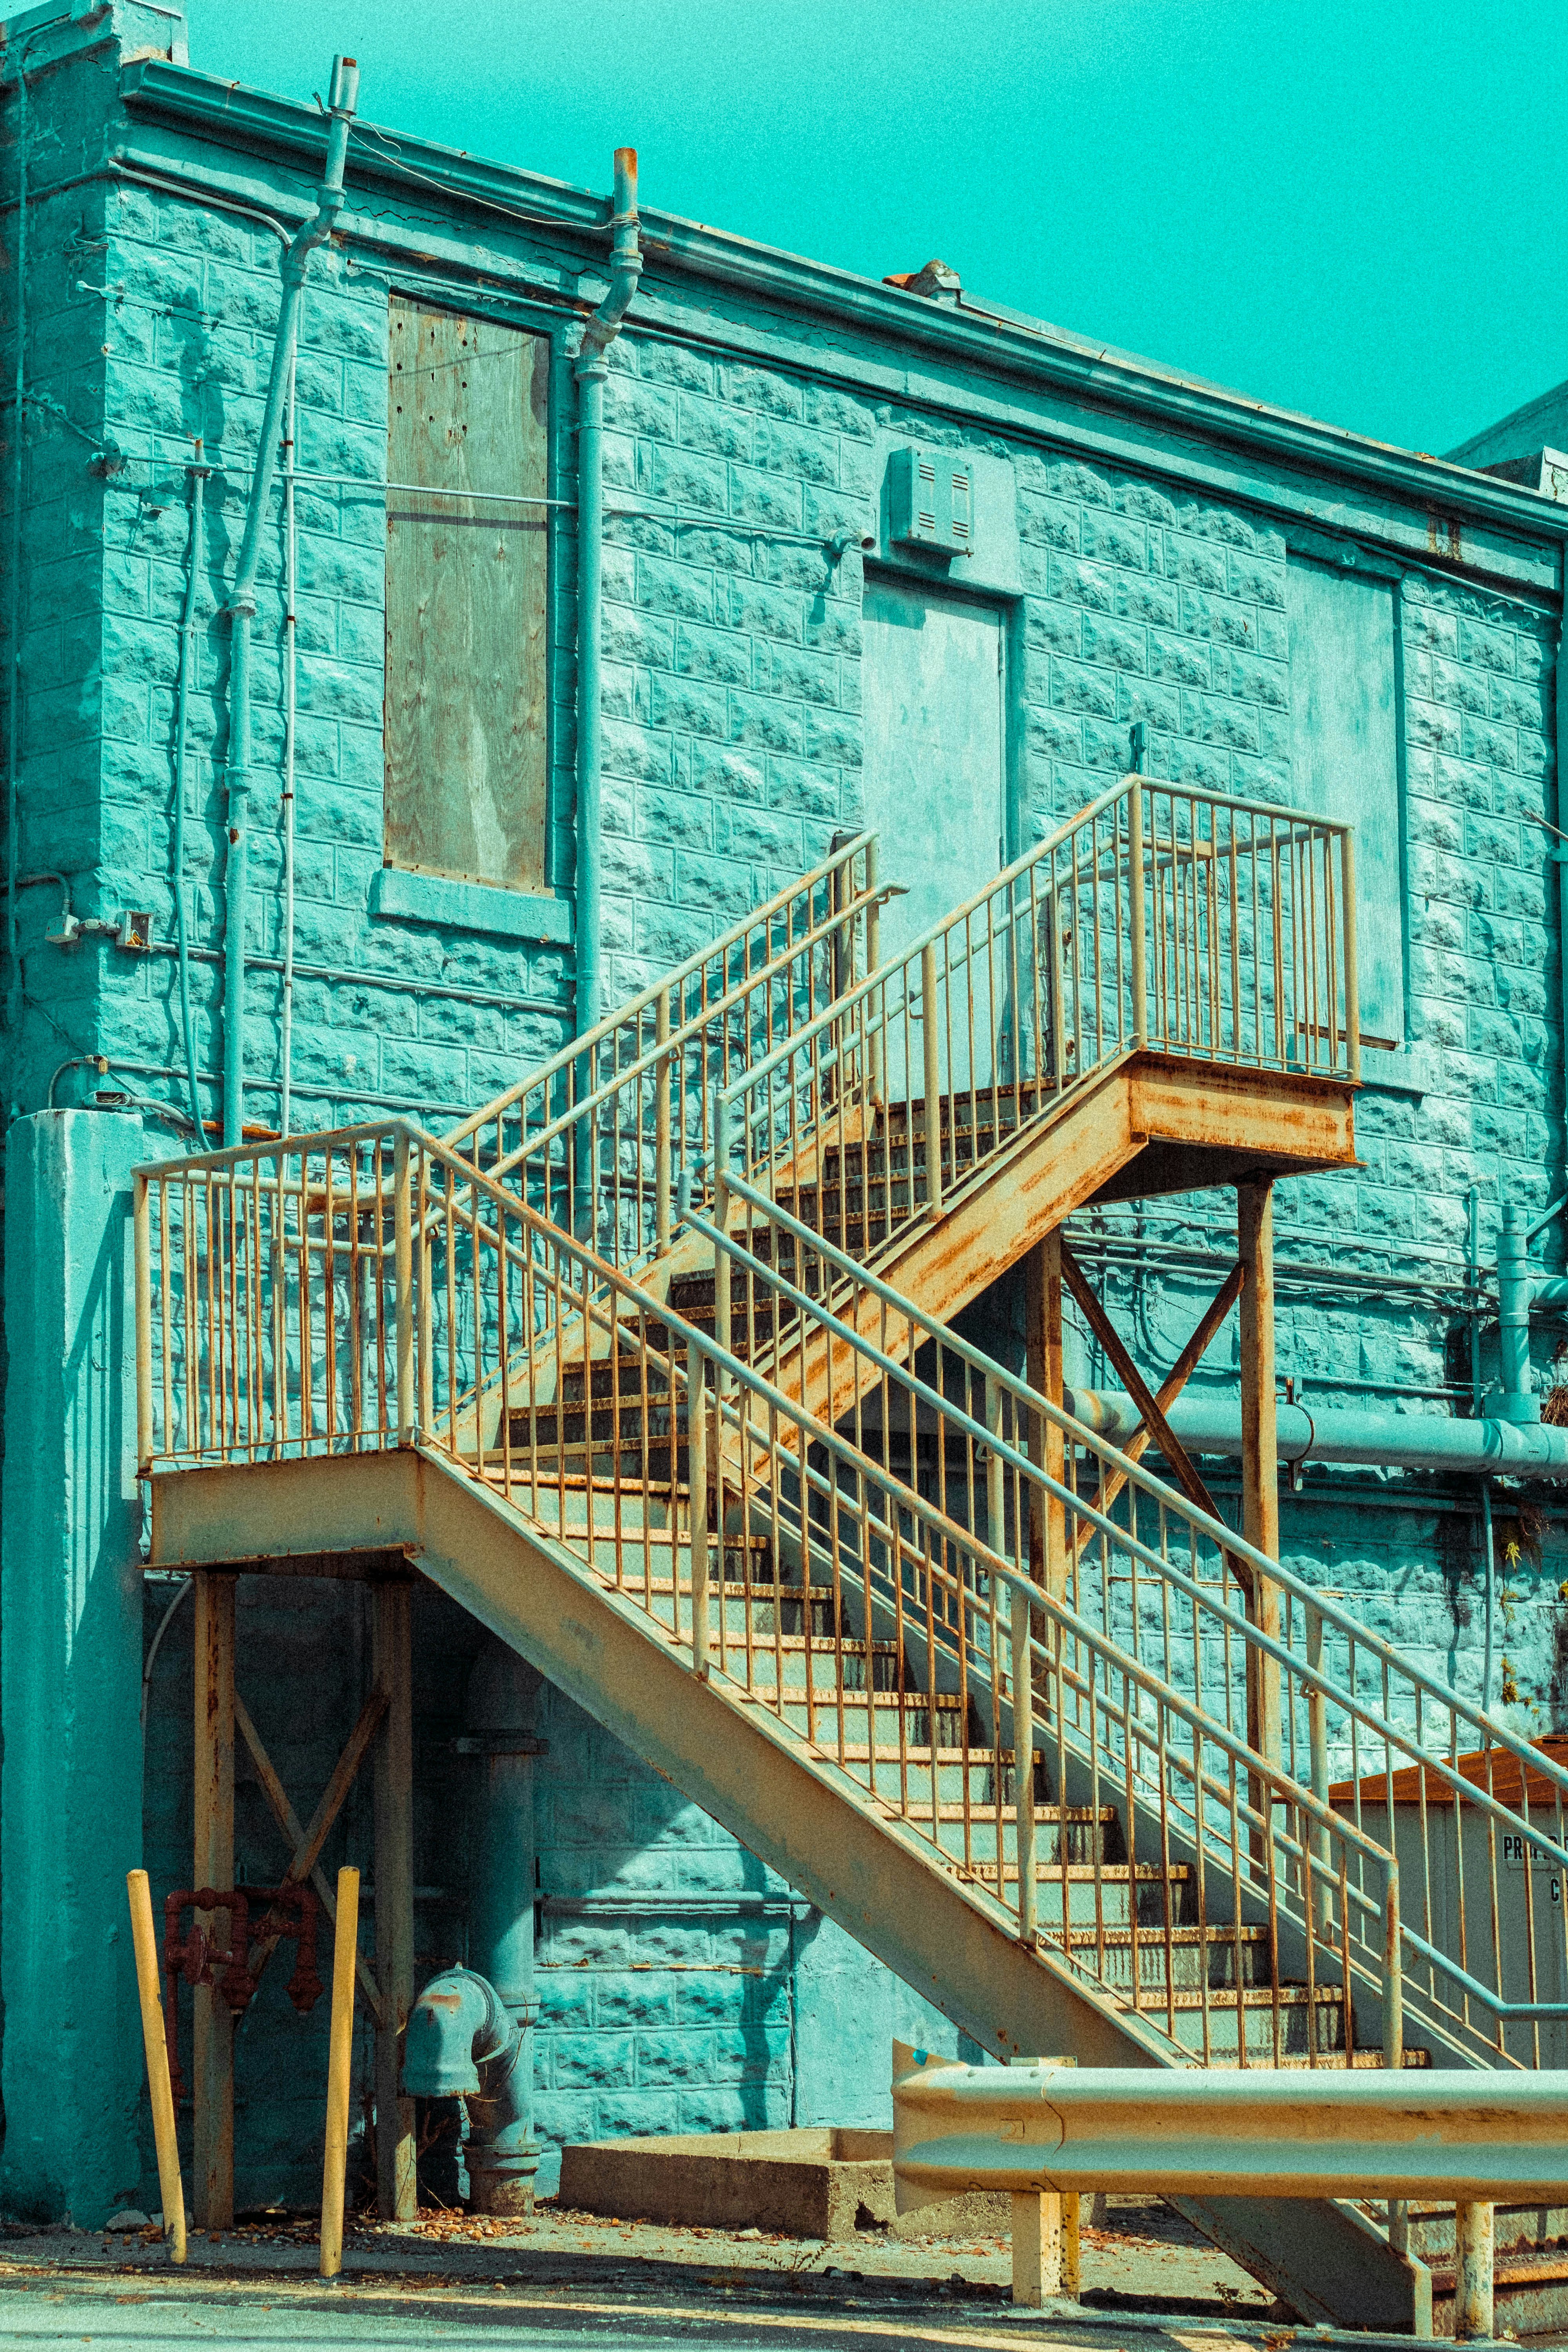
(1139,551)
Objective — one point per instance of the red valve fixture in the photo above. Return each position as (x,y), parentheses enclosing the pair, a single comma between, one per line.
(290,1911)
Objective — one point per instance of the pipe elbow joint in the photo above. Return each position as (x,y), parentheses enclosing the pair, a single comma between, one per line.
(458,2024)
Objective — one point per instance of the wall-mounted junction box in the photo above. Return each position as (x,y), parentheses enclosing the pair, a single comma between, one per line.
(930,501)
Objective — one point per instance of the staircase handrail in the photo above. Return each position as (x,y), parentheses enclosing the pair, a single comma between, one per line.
(1135,1473)
(397,1417)
(1043,850)
(648,1064)
(581,1048)
(1303,1684)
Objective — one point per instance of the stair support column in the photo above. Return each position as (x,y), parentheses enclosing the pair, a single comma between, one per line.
(391,1644)
(1260,1468)
(1043,1312)
(212,2028)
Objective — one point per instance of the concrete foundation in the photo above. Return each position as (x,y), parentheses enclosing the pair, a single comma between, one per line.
(823,2181)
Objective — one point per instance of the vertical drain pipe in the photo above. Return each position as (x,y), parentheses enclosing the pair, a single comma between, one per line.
(290,589)
(194,556)
(592,367)
(502,2153)
(242,602)
(13,683)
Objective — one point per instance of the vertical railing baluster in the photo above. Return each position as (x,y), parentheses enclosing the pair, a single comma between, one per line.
(1140,945)
(403,1266)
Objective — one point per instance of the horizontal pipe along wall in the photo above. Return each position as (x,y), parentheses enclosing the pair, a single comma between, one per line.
(1149,583)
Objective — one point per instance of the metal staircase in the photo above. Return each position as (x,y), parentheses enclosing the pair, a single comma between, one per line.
(650,1365)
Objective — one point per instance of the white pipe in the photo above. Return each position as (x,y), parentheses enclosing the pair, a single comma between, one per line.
(1395,1441)
(591,368)
(290,582)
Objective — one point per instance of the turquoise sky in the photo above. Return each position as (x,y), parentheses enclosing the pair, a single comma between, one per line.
(1357,210)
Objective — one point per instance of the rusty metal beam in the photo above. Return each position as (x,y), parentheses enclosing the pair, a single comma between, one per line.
(1175,1381)
(1043,1363)
(1138,1389)
(1259,1454)
(212,2025)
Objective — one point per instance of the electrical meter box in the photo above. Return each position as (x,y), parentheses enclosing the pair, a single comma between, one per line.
(930,501)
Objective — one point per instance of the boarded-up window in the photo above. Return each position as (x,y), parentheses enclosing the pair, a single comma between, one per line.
(467,761)
(1345,764)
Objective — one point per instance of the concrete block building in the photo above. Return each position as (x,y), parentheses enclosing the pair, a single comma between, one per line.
(432,864)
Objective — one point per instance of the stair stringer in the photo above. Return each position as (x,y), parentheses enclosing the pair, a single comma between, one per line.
(790,1806)
(1255,1122)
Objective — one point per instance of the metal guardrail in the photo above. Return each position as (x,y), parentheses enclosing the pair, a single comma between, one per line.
(1203,2132)
(1161,917)
(1044,2131)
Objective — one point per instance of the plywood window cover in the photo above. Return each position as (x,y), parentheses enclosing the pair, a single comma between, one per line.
(466,753)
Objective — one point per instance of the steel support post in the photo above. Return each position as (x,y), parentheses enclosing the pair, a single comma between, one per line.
(1259,1459)
(212,2032)
(1043,1303)
(390,1649)
(1473,2270)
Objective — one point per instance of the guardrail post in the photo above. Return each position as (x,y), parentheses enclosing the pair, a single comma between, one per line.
(1140,946)
(1473,2237)
(933,1081)
(1036,2246)
(402,1267)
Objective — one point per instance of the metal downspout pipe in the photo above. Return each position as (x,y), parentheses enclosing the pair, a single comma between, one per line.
(591,369)
(502,2153)
(194,556)
(242,601)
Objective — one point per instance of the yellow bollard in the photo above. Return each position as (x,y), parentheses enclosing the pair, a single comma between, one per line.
(145,1941)
(345,1959)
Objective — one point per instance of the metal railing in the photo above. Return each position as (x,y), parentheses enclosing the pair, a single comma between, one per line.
(1160,918)
(350,1292)
(608,1134)
(1475,1812)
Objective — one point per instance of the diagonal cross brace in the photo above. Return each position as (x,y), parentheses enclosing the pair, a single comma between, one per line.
(1176,1379)
(1138,1389)
(306,1844)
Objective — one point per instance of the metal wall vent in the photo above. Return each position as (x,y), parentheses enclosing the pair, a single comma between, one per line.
(930,501)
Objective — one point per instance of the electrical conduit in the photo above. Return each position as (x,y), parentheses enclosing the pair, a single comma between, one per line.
(242,601)
(592,367)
